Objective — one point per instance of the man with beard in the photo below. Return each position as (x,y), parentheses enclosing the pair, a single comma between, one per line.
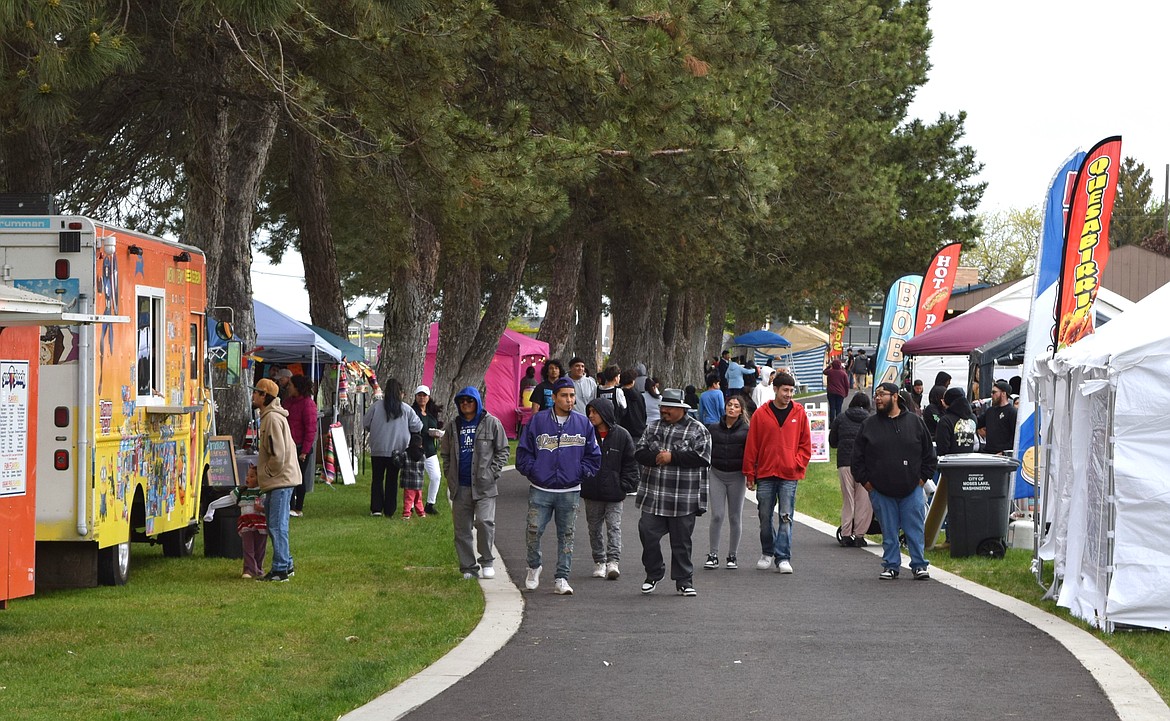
(893,457)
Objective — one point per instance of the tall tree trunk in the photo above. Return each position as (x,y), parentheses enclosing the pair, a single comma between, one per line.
(26,161)
(561,309)
(459,320)
(322,279)
(683,337)
(471,367)
(637,318)
(253,128)
(587,335)
(716,320)
(408,305)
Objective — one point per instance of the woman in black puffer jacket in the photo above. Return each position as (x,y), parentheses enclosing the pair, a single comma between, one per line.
(727,484)
(856,511)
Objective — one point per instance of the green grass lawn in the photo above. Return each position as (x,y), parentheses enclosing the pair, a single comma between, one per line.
(819,496)
(374,601)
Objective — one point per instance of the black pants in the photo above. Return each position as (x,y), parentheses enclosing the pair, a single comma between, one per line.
(384,489)
(651,529)
(308,471)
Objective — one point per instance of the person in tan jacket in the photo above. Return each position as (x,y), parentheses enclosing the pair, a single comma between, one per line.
(278,472)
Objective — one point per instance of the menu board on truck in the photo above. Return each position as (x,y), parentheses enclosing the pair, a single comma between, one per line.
(13,428)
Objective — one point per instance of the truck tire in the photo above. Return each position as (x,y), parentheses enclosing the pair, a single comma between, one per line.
(114,565)
(178,543)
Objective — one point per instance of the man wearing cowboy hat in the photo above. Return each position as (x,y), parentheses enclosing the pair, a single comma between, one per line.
(676,450)
(277,472)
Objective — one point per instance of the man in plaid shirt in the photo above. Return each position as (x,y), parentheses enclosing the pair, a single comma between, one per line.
(676,451)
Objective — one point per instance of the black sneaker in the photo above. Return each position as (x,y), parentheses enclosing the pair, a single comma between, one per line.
(430,510)
(687,589)
(732,564)
(888,574)
(712,561)
(279,576)
(291,571)
(921,574)
(860,542)
(648,586)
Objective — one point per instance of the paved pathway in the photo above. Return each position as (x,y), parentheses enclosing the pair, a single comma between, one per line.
(828,642)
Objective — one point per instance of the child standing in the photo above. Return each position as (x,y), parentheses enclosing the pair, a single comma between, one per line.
(252,526)
(411,480)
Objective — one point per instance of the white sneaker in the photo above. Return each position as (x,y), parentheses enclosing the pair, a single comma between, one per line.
(561,586)
(487,571)
(611,571)
(784,567)
(764,563)
(533,579)
(599,570)
(468,576)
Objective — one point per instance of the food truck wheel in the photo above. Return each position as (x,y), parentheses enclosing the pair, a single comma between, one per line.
(178,543)
(114,565)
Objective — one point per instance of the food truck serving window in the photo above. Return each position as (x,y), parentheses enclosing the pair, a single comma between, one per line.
(150,321)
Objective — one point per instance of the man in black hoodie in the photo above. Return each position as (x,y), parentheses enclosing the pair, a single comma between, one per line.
(605,492)
(893,457)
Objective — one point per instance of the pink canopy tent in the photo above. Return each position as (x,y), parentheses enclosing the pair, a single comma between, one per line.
(514,353)
(961,335)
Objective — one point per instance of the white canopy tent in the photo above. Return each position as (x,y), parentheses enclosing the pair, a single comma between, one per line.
(1105,490)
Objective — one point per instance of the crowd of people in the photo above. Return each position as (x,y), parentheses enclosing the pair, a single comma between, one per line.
(598,440)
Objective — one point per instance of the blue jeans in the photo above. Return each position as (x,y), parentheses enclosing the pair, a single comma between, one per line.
(909,514)
(835,402)
(276,510)
(769,495)
(544,506)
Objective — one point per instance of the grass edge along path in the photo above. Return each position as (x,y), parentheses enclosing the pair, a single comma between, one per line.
(1147,651)
(374,601)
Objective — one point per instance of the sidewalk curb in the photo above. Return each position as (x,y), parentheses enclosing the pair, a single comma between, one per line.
(503,610)
(1132,696)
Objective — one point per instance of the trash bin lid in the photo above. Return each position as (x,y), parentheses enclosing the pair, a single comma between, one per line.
(978,460)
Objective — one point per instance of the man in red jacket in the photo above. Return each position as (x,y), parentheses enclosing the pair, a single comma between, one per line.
(779,446)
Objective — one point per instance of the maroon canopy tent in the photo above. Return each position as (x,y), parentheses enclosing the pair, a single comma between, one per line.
(961,335)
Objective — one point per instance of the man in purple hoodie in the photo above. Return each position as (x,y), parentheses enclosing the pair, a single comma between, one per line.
(557,449)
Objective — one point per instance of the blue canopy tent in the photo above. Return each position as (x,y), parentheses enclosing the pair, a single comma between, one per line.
(282,339)
(761,339)
(352,351)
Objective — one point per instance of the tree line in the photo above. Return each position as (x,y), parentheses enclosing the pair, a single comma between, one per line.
(693,166)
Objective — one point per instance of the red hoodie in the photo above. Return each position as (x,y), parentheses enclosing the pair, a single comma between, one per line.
(775,452)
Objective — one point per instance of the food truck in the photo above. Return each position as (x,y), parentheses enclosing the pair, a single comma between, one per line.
(19,347)
(124,407)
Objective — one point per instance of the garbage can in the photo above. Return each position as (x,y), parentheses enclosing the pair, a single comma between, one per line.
(220,537)
(978,502)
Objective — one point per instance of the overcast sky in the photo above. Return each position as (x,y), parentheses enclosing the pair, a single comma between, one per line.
(1037,78)
(1041,78)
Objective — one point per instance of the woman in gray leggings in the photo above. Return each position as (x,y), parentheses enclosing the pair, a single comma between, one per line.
(727,483)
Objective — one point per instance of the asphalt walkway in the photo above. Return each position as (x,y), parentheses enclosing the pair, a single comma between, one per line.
(830,641)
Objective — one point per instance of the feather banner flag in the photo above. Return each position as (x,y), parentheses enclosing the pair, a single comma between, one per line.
(937,285)
(840,319)
(1086,241)
(897,328)
(1041,326)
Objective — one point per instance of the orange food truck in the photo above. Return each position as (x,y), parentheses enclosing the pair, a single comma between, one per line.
(124,406)
(19,349)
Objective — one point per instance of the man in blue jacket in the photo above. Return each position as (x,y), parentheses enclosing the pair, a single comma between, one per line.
(474,450)
(557,449)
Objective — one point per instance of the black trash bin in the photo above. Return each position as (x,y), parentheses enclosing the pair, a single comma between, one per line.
(978,502)
(220,537)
